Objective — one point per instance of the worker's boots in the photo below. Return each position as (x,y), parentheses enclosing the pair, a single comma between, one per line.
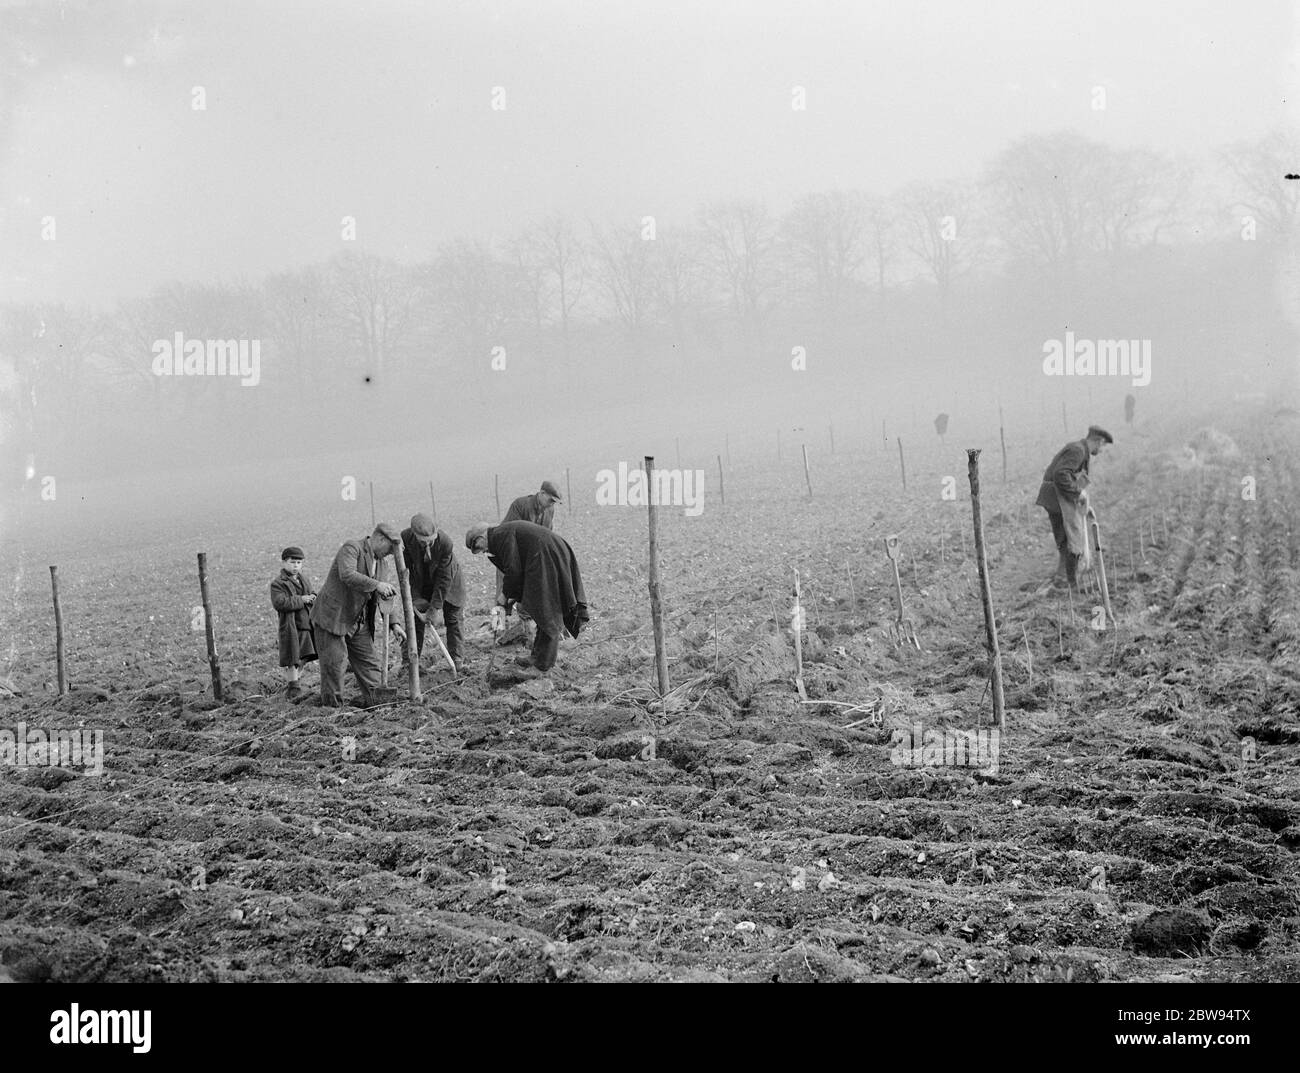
(1064,568)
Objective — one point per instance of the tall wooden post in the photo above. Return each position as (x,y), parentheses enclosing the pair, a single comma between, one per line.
(408,615)
(981,560)
(568,489)
(213,662)
(58,632)
(656,609)
(433,503)
(832,428)
(807,476)
(722,482)
(496,491)
(902,466)
(796,621)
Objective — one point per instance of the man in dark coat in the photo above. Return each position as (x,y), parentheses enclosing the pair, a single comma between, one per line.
(1063,494)
(343,616)
(292,597)
(538,508)
(436,583)
(542,576)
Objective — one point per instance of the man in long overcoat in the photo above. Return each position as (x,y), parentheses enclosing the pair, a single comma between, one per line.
(541,575)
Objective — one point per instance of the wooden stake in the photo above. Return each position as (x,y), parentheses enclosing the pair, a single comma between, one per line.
(832,427)
(1029,653)
(408,616)
(990,622)
(1002,435)
(433,503)
(902,466)
(853,591)
(1102,580)
(496,491)
(807,476)
(656,610)
(943,558)
(213,662)
(797,623)
(58,632)
(722,482)
(385,652)
(568,489)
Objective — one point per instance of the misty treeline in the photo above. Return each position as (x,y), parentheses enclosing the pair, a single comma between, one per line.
(936,281)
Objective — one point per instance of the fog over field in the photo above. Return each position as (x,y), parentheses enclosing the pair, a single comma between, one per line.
(464,234)
(263,260)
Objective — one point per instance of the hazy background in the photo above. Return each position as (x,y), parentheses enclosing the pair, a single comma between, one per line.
(962,183)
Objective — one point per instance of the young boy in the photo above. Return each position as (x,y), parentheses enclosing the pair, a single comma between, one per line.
(291,595)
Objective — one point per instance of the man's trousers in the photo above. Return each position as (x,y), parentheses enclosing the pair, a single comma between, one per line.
(356,650)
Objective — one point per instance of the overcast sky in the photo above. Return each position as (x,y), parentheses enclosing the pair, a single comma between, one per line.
(382,111)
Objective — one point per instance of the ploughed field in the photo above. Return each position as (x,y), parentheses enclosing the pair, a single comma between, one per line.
(1142,821)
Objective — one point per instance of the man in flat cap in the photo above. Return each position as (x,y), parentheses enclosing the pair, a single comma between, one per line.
(1063,494)
(542,576)
(538,508)
(436,583)
(343,616)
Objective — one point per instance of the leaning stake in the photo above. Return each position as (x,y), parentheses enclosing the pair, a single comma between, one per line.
(656,610)
(981,560)
(213,662)
(722,482)
(806,475)
(58,632)
(408,613)
(496,491)
(902,466)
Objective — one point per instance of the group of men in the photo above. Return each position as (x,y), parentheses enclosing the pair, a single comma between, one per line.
(537,571)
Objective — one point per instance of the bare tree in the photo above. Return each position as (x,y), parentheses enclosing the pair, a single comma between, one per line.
(1045,191)
(621,263)
(474,294)
(827,236)
(738,237)
(553,248)
(1257,168)
(940,230)
(375,298)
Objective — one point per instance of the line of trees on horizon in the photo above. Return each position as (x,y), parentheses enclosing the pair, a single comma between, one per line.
(1051,218)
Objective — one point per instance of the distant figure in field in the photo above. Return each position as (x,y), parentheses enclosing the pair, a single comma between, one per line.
(343,616)
(538,508)
(292,597)
(436,583)
(1130,404)
(541,575)
(1063,494)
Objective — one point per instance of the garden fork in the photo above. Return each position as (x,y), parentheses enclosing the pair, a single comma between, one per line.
(903,631)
